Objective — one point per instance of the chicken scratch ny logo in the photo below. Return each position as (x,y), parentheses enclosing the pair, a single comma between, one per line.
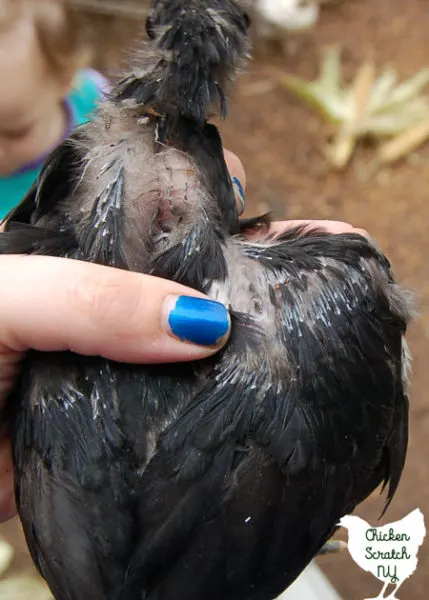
(388,552)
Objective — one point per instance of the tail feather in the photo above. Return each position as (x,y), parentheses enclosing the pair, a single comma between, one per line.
(196,49)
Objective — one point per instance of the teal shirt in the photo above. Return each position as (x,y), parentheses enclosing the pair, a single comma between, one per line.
(81,102)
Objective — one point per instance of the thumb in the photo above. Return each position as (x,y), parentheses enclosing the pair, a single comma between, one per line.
(52,304)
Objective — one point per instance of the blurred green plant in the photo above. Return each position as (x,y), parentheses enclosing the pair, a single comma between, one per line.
(369,107)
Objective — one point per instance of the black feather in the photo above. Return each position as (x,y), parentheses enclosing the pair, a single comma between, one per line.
(223,478)
(197,48)
(21,238)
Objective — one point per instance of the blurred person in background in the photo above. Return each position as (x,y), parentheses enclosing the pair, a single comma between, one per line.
(46,89)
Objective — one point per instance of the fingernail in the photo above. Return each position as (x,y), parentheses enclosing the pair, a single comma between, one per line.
(202,322)
(239,193)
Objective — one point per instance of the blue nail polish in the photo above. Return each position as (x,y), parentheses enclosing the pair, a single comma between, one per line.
(199,321)
(239,192)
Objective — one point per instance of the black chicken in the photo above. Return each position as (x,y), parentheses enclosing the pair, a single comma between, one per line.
(222,479)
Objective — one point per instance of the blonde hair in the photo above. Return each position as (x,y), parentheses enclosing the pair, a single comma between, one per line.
(58,32)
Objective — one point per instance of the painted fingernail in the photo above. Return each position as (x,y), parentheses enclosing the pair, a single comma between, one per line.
(239,193)
(196,320)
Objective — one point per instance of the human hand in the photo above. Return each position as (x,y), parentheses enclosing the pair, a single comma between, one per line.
(98,310)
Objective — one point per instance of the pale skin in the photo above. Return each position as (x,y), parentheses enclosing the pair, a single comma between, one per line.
(32,114)
(96,311)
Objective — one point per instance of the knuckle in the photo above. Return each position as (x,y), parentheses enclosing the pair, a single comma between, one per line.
(105,299)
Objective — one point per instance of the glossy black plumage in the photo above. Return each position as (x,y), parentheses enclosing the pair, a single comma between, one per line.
(220,479)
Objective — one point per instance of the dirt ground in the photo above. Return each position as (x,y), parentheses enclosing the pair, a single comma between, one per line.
(279,142)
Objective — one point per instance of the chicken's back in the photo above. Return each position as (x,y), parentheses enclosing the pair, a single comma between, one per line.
(221,479)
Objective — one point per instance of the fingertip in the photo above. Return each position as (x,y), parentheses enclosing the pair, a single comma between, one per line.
(238,177)
(198,321)
(235,167)
(239,195)
(333,227)
(362,232)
